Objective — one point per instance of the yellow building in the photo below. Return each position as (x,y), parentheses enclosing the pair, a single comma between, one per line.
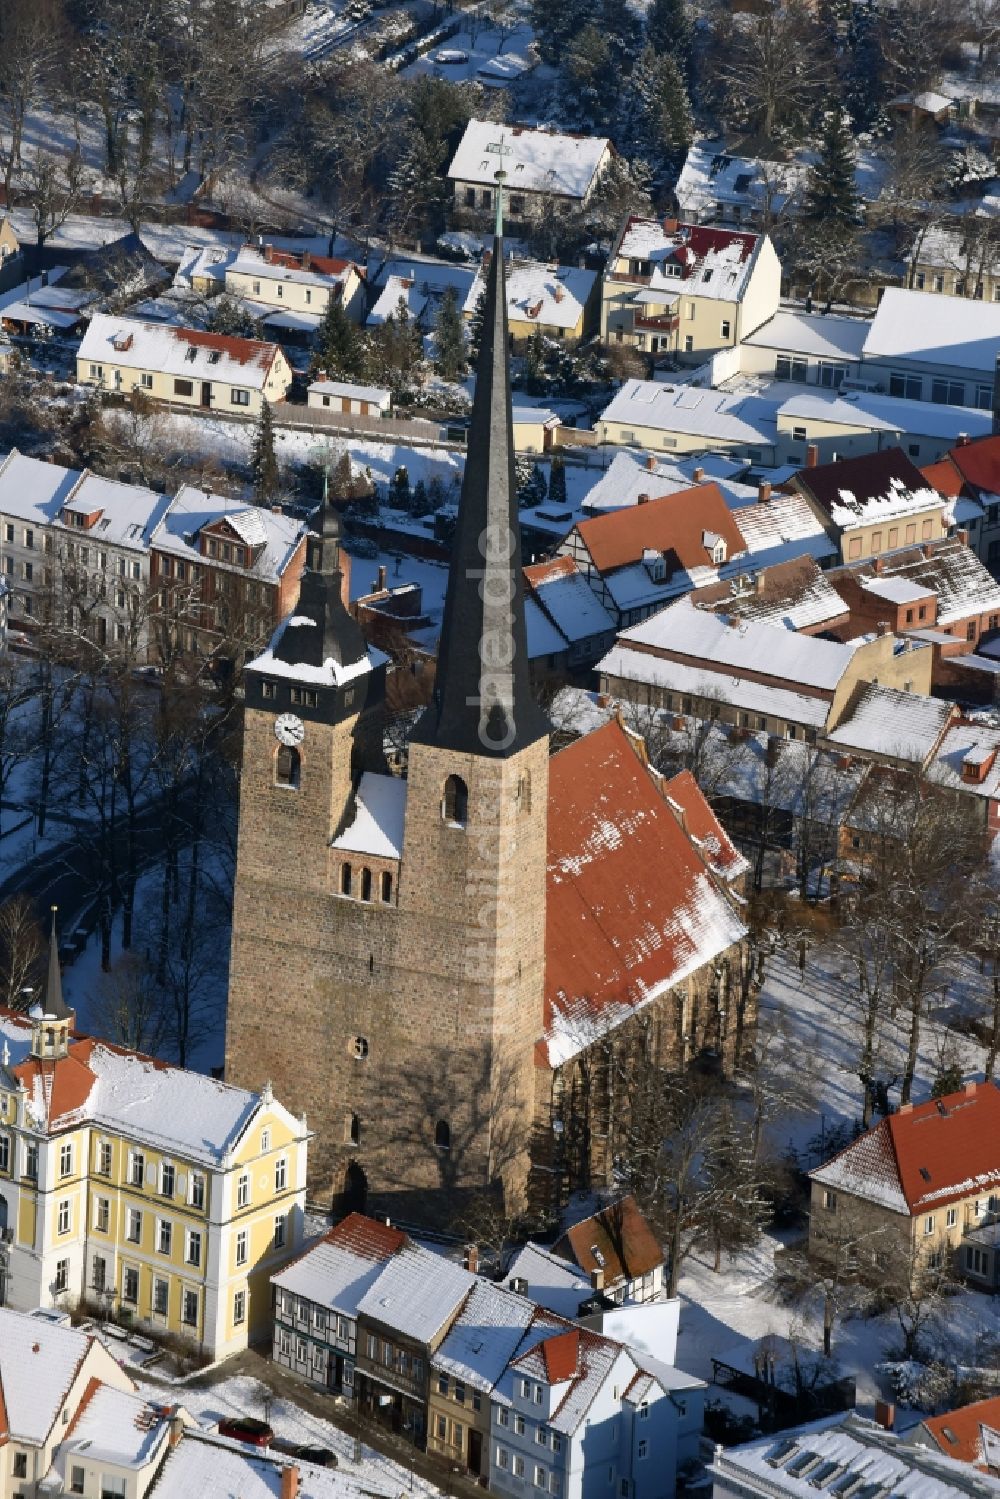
(209,371)
(296,284)
(143,1190)
(874,503)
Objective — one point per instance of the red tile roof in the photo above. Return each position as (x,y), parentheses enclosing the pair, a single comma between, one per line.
(979,463)
(65,1084)
(323,265)
(700,823)
(674,524)
(617,1240)
(242,350)
(547,572)
(958,1433)
(562,1355)
(631,906)
(945,477)
(370,1238)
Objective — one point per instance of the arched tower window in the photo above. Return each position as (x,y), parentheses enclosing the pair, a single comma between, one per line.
(386,885)
(442,1135)
(345,879)
(366,884)
(353,1130)
(287,766)
(524,794)
(455,804)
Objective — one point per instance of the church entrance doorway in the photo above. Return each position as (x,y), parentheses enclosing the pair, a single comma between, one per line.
(355,1189)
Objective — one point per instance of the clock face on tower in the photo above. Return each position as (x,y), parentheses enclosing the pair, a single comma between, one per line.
(289,730)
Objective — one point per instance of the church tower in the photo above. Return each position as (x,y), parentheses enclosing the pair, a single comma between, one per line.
(388,933)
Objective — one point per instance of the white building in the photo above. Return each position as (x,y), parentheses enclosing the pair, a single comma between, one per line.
(344,395)
(720,187)
(932,348)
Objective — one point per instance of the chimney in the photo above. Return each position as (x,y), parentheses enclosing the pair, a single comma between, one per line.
(471,1258)
(380,582)
(269,254)
(321,374)
(885,1414)
(883,628)
(733,620)
(290,1481)
(643,499)
(651,463)
(760,581)
(812,455)
(276,510)
(763,492)
(306,259)
(670,226)
(963,439)
(878,566)
(905,1108)
(698,474)
(558,293)
(597,1279)
(970,1088)
(962,536)
(176,1429)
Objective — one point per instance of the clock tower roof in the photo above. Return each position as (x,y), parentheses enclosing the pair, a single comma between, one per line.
(321,636)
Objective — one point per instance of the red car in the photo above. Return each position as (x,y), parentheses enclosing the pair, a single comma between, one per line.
(246,1429)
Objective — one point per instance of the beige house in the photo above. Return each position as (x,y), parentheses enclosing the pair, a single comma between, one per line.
(683,420)
(345,396)
(687,290)
(874,503)
(906,1194)
(560,301)
(297,284)
(210,371)
(960,259)
(845,425)
(546,170)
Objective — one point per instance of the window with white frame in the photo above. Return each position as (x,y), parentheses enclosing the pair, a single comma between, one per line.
(164,1236)
(239,1308)
(518,1466)
(63,1220)
(280,1174)
(61,1282)
(133,1225)
(503,1416)
(102,1214)
(951,1217)
(518,1424)
(243,1190)
(136,1168)
(161,1295)
(192,1247)
(929,1224)
(265,1141)
(541,1477)
(556,1442)
(167,1179)
(242,1241)
(66,1160)
(189,1308)
(503,1457)
(196,1190)
(280,1230)
(130,1284)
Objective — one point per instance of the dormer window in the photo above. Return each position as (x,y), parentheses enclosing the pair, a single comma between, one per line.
(214,357)
(191,355)
(655,564)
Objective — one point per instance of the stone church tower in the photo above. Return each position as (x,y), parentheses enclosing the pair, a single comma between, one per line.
(388,957)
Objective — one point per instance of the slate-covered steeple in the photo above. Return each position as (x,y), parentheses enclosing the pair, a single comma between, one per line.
(483,701)
(334,635)
(53,1005)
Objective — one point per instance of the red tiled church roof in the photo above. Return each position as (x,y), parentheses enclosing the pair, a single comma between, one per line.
(700,823)
(368,1237)
(631,907)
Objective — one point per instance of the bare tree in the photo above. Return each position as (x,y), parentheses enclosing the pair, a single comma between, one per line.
(32,38)
(55,185)
(22,951)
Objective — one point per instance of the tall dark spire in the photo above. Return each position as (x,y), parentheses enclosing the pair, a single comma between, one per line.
(483,702)
(337,636)
(54,1004)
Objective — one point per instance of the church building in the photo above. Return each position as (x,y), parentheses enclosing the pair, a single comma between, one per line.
(423,964)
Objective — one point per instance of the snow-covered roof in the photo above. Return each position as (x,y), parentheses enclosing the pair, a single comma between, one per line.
(554,296)
(178,351)
(896,590)
(694,411)
(851,1452)
(417,1293)
(567,598)
(321,272)
(430,277)
(379,808)
(887,722)
(968,743)
(34,490)
(192,509)
(877,413)
(115,1426)
(712,175)
(38,1363)
(896,500)
(931,329)
(781,654)
(212,1465)
(812,333)
(396,288)
(484,1335)
(785,527)
(338,1271)
(946,245)
(580,1364)
(550,1281)
(690,680)
(204,263)
(376,393)
(795,594)
(535,160)
(543,636)
(706,261)
(331,674)
(39,492)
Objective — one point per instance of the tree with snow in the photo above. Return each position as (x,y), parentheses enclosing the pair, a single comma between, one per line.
(400,496)
(668,32)
(662,123)
(449,338)
(534,362)
(263,462)
(557,480)
(831,198)
(591,79)
(339,350)
(476,325)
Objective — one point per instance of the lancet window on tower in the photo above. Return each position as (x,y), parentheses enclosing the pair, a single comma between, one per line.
(455,803)
(287,767)
(345,879)
(442,1135)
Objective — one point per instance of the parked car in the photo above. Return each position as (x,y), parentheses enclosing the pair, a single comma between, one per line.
(321,1457)
(246,1429)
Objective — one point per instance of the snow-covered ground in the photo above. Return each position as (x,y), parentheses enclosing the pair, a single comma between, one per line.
(459,59)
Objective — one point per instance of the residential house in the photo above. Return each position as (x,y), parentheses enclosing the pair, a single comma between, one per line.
(914,1190)
(74,549)
(691,419)
(11,255)
(685,289)
(795,595)
(562,302)
(926,348)
(857,421)
(316,1299)
(558,598)
(224,574)
(576,1412)
(344,396)
(925,107)
(403,1318)
(618,1247)
(937,586)
(874,503)
(551,1281)
(42,308)
(49,1373)
(204,1463)
(171,1217)
(966,760)
(837,1453)
(969,1434)
(718,186)
(297,287)
(422,282)
(546,170)
(638,559)
(115,1444)
(211,371)
(756,676)
(969,476)
(891,726)
(809,348)
(465,1369)
(958,259)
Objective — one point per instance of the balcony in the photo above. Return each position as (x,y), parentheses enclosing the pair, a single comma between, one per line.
(666,322)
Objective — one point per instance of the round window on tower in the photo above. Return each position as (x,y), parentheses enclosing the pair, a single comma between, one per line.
(359,1047)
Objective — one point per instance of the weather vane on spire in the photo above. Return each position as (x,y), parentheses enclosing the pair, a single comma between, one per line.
(500,177)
